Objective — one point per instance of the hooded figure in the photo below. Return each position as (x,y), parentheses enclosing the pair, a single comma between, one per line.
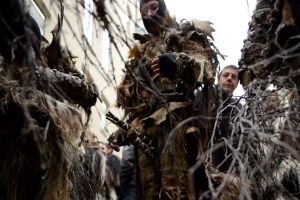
(154,15)
(157,94)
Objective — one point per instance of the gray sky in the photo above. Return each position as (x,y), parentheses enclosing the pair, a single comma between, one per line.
(230,20)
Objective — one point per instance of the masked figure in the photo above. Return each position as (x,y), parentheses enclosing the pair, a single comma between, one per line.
(157,94)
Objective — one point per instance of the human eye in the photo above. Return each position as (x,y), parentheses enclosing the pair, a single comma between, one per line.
(154,6)
(225,74)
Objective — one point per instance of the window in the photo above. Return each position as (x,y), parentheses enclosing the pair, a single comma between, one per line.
(88,20)
(37,14)
(105,51)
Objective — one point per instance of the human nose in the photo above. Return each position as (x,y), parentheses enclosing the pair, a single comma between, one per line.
(150,12)
(229,78)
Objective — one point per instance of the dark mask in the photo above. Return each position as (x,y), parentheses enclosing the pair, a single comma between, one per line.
(154,24)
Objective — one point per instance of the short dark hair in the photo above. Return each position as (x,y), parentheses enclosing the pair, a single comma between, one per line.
(227,67)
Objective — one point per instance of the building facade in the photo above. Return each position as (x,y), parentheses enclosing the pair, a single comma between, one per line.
(100,53)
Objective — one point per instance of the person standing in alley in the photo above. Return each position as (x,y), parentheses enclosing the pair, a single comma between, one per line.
(157,94)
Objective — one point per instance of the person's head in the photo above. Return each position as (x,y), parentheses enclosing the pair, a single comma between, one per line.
(105,148)
(153,13)
(228,78)
(109,150)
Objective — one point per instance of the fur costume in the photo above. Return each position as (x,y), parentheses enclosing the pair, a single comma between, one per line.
(161,107)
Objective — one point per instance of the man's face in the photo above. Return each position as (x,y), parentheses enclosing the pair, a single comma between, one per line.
(149,9)
(229,80)
(107,150)
(103,148)
(151,17)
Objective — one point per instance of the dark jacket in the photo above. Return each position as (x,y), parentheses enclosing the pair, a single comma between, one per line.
(231,108)
(128,166)
(113,163)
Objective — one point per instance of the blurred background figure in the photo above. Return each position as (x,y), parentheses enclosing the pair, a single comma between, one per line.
(128,186)
(113,164)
